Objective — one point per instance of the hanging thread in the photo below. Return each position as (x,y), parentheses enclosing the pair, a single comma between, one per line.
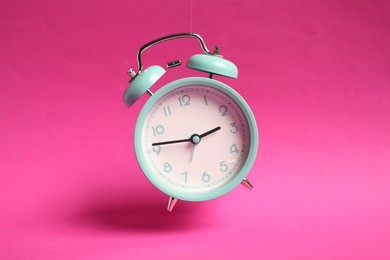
(191,16)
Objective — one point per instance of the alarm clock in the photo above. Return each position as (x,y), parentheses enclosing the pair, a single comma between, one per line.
(195,138)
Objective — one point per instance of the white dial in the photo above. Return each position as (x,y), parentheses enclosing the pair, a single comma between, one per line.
(194,139)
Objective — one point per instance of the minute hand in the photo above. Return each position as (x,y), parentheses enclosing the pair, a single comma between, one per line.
(188,139)
(172,142)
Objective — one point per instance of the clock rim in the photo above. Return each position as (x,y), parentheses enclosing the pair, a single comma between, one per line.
(219,191)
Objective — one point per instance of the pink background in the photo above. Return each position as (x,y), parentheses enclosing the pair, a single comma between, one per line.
(316,74)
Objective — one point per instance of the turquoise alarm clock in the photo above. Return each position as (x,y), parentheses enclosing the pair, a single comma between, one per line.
(195,138)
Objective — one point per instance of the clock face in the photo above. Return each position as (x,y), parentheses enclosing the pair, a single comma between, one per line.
(194,138)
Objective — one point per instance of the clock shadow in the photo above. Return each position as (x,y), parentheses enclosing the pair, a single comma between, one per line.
(137,213)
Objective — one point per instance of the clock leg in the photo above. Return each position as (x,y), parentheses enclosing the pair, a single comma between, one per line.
(247,184)
(171,203)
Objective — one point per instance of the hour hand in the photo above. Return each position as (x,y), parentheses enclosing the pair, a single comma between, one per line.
(210,131)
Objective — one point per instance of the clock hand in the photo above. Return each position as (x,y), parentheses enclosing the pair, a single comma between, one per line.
(210,132)
(195,139)
(172,142)
(192,153)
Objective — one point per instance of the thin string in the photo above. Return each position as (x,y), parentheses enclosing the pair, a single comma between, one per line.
(191,16)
